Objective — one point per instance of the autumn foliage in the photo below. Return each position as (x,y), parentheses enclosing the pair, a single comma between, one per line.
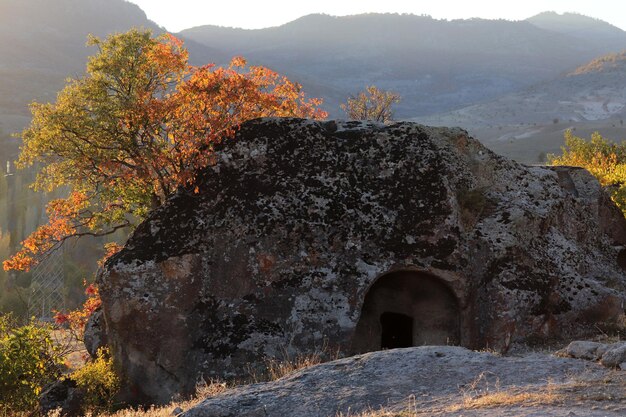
(141,123)
(604,159)
(372,104)
(76,320)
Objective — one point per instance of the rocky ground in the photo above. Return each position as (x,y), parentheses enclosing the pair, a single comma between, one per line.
(433,381)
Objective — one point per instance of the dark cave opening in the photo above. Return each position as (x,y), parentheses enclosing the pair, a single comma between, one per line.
(396,330)
(407,308)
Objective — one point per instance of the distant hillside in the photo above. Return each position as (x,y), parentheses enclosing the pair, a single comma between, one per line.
(436,65)
(522,125)
(593,91)
(581,27)
(615,63)
(43,42)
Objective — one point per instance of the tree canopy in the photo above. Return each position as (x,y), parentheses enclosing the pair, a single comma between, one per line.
(139,124)
(604,159)
(371,104)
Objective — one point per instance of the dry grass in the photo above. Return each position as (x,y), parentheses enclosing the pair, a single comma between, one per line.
(203,390)
(275,369)
(164,411)
(510,397)
(410,411)
(483,393)
(379,413)
(612,332)
(5,413)
(491,399)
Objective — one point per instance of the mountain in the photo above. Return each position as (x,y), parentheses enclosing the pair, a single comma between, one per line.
(43,42)
(436,65)
(593,91)
(591,97)
(580,27)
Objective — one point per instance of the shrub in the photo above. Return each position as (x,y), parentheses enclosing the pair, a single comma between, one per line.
(28,361)
(371,104)
(99,381)
(604,159)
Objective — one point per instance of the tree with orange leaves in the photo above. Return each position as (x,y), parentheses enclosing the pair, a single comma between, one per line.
(141,123)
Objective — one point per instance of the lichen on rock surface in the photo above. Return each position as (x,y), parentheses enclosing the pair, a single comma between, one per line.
(303,233)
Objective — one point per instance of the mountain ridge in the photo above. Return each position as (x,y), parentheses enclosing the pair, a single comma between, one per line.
(437,65)
(44,43)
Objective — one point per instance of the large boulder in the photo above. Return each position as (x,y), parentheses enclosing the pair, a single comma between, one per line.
(357,236)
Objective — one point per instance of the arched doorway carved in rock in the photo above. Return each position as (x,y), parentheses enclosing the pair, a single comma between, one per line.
(407,308)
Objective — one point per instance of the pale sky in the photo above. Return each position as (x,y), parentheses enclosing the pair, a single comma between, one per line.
(253,14)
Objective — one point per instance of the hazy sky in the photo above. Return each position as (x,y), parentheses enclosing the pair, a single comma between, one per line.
(181,14)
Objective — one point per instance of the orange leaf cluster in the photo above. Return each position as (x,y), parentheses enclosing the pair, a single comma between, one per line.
(212,102)
(77,319)
(62,215)
(110,249)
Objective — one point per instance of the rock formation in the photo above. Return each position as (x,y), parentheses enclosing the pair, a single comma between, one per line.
(95,336)
(429,381)
(611,355)
(361,237)
(62,397)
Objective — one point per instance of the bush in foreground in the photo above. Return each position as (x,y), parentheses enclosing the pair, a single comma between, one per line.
(99,381)
(28,360)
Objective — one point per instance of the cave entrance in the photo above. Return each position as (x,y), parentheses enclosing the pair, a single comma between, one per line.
(407,308)
(396,331)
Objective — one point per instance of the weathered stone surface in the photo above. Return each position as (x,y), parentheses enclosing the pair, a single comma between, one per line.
(360,236)
(428,375)
(614,356)
(611,355)
(95,333)
(584,349)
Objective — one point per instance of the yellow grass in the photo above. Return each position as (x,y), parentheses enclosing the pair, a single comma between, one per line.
(275,369)
(379,413)
(508,398)
(500,398)
(481,393)
(203,390)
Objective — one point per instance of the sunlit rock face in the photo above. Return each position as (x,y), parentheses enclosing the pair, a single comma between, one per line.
(356,236)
